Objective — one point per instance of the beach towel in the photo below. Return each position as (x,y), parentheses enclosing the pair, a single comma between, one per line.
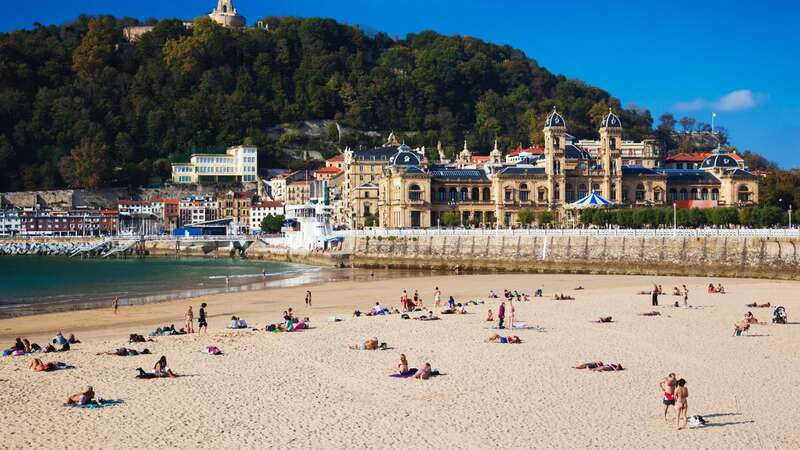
(212,350)
(98,404)
(408,374)
(61,367)
(334,319)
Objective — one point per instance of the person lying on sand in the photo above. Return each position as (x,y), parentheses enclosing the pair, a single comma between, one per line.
(579,288)
(651,313)
(560,296)
(608,368)
(430,316)
(73,340)
(605,319)
(38,366)
(756,305)
(402,366)
(369,344)
(122,351)
(426,372)
(590,365)
(82,398)
(497,339)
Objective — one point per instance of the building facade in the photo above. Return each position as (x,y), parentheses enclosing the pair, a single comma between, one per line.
(412,193)
(236,206)
(237,164)
(198,209)
(260,210)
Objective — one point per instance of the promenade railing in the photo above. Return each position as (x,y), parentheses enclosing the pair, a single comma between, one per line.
(661,232)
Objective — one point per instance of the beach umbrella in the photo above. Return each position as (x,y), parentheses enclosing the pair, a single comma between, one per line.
(593,200)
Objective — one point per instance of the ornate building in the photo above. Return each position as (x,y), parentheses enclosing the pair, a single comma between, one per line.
(224,14)
(412,193)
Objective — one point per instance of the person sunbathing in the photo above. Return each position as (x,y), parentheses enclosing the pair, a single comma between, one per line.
(122,351)
(651,313)
(424,373)
(740,327)
(608,368)
(756,305)
(560,296)
(48,348)
(37,365)
(430,316)
(27,344)
(82,398)
(720,289)
(402,367)
(676,291)
(72,340)
(161,369)
(497,339)
(579,288)
(750,318)
(590,365)
(489,317)
(605,319)
(369,344)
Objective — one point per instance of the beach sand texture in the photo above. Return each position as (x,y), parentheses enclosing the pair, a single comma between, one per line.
(307,389)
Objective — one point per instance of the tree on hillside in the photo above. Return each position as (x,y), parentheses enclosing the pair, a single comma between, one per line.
(687,123)
(87,165)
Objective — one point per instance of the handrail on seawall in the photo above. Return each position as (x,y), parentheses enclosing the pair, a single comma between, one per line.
(665,232)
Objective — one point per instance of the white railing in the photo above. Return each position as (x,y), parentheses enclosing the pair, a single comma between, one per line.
(666,232)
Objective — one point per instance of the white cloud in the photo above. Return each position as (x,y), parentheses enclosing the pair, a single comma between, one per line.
(738,100)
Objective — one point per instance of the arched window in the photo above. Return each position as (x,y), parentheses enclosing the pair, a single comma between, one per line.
(612,143)
(464,194)
(476,194)
(639,192)
(684,194)
(715,194)
(487,194)
(695,195)
(581,190)
(704,194)
(542,194)
(570,194)
(414,193)
(556,192)
(523,192)
(508,194)
(744,193)
(453,195)
(673,194)
(595,187)
(613,191)
(441,195)
(657,194)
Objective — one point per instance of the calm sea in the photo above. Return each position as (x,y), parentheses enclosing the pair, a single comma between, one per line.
(34,284)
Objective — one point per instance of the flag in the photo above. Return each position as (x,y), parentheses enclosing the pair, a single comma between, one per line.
(713,114)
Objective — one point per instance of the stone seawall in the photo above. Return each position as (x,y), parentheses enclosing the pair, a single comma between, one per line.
(674,255)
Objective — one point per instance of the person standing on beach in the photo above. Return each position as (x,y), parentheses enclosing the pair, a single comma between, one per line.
(308,298)
(201,319)
(264,274)
(115,304)
(655,295)
(510,314)
(681,406)
(501,315)
(685,296)
(437,297)
(189,316)
(667,386)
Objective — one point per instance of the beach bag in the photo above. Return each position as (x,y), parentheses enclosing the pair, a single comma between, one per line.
(213,350)
(696,421)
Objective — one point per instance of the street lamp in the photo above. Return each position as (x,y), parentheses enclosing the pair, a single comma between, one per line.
(675,217)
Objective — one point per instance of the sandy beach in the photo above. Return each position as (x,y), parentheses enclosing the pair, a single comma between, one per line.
(307,389)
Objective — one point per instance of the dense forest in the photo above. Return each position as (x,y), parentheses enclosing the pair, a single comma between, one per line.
(81,107)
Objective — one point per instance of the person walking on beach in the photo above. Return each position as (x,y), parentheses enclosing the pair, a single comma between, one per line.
(308,298)
(201,319)
(264,274)
(655,295)
(685,296)
(189,316)
(667,386)
(115,304)
(437,297)
(501,315)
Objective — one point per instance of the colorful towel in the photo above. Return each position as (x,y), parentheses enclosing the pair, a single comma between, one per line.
(98,404)
(410,373)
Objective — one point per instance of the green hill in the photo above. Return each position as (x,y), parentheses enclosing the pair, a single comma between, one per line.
(81,107)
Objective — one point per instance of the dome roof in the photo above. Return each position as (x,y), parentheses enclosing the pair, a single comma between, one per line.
(554,119)
(611,120)
(719,159)
(404,157)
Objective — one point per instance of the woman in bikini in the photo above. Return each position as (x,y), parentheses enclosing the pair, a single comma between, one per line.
(162,370)
(82,398)
(608,368)
(497,339)
(402,367)
(590,365)
(681,405)
(38,366)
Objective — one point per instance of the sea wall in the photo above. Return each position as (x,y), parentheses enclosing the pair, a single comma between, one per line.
(733,256)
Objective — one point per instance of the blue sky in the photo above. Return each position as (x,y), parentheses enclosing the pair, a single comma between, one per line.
(737,58)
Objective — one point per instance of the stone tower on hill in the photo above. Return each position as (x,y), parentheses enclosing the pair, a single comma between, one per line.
(226,15)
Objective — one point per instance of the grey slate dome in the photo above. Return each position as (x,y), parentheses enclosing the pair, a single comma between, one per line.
(404,157)
(720,160)
(611,120)
(554,119)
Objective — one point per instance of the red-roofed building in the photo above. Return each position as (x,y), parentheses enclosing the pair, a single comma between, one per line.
(516,154)
(336,161)
(327,173)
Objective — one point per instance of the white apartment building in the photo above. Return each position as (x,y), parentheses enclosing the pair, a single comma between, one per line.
(10,223)
(261,210)
(198,209)
(238,163)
